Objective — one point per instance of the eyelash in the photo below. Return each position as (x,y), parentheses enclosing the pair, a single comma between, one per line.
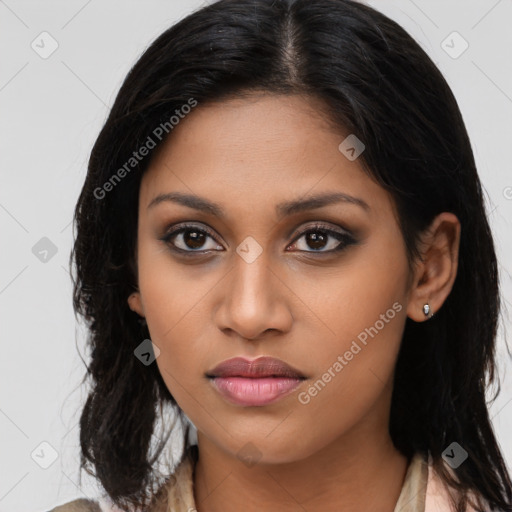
(344,238)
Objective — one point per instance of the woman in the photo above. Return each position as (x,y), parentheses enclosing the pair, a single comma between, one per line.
(282,237)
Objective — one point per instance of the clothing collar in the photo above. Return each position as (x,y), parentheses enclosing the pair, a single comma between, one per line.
(181,492)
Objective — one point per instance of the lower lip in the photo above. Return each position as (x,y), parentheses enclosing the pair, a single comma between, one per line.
(250,391)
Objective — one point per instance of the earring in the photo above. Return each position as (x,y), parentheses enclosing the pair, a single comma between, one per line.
(427,311)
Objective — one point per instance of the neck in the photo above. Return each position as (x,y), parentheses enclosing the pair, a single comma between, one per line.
(359,471)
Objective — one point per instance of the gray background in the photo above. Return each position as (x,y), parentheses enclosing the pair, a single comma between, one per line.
(51,111)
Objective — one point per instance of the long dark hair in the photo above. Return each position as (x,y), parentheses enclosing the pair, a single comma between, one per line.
(375,82)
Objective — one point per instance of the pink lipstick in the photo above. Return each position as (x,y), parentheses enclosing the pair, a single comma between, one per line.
(254,383)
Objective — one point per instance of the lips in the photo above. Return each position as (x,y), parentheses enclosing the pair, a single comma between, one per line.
(257,368)
(254,383)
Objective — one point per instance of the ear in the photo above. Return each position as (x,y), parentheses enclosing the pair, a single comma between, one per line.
(435,273)
(135,303)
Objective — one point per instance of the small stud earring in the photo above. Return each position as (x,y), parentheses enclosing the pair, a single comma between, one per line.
(427,311)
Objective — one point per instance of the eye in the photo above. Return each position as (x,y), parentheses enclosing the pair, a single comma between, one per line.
(319,237)
(190,238)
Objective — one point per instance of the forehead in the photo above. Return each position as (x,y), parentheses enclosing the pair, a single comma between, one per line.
(262,123)
(258,149)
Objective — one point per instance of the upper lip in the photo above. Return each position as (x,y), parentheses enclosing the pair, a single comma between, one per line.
(260,367)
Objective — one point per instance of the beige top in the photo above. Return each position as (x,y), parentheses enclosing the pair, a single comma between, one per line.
(422,491)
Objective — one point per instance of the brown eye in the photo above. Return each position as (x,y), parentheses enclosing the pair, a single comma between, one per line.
(317,238)
(191,239)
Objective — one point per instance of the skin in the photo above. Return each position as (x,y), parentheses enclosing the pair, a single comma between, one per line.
(292,302)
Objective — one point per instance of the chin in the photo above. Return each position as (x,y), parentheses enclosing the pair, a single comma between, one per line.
(261,449)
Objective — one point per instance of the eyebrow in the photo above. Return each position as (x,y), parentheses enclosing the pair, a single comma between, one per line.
(282,209)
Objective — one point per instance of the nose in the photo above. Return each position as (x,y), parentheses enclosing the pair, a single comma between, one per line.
(254,300)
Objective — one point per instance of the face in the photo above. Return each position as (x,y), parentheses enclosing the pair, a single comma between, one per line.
(322,286)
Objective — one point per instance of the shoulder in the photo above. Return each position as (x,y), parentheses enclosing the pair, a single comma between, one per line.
(87,505)
(179,489)
(79,505)
(438,496)
(175,494)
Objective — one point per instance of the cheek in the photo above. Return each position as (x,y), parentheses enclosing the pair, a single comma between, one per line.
(173,306)
(361,298)
(365,313)
(172,293)
(354,373)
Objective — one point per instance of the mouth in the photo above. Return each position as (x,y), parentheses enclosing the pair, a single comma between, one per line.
(254,383)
